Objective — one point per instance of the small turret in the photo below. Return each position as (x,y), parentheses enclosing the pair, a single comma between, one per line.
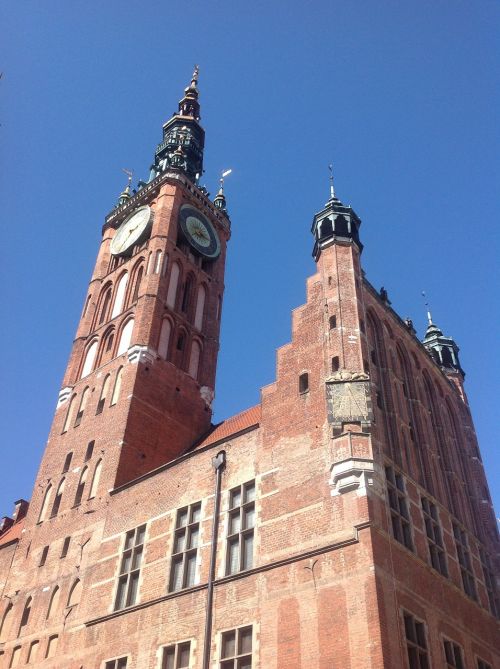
(443,350)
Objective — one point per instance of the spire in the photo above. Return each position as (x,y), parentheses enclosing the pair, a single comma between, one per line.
(443,350)
(220,198)
(183,137)
(333,197)
(125,195)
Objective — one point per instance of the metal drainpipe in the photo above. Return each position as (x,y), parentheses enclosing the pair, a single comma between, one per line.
(218,463)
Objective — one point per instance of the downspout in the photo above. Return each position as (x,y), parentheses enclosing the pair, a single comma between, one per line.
(218,463)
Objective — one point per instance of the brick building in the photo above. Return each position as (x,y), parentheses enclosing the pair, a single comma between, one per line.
(344,522)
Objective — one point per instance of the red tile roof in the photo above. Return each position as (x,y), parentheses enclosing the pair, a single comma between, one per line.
(12,534)
(245,420)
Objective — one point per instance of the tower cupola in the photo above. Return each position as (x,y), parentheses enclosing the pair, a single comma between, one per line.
(443,350)
(183,137)
(335,223)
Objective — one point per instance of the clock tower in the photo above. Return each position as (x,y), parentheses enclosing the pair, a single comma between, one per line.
(141,375)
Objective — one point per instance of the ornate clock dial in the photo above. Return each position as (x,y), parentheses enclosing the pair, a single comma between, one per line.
(131,231)
(199,232)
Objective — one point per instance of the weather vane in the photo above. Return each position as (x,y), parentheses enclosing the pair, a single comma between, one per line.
(429,316)
(332,189)
(129,174)
(224,174)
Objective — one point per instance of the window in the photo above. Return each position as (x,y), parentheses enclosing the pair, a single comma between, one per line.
(65,547)
(118,385)
(104,394)
(490,583)
(95,479)
(43,557)
(416,644)
(69,414)
(236,649)
(200,307)
(176,657)
(90,450)
(333,322)
(25,617)
(186,539)
(54,602)
(481,664)
(304,383)
(125,337)
(75,594)
(67,463)
(437,554)
(172,287)
(463,554)
(166,328)
(45,503)
(88,364)
(105,306)
(158,261)
(137,285)
(5,624)
(57,499)
(52,646)
(83,404)
(400,517)
(453,655)
(128,581)
(16,656)
(120,295)
(194,359)
(335,363)
(186,295)
(81,486)
(33,651)
(119,663)
(241,528)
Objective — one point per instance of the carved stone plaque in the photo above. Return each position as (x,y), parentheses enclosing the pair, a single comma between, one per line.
(348,401)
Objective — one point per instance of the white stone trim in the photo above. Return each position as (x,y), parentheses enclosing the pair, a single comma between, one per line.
(138,353)
(355,474)
(64,395)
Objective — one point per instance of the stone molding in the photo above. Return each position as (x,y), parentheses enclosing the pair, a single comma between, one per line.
(355,474)
(64,395)
(144,354)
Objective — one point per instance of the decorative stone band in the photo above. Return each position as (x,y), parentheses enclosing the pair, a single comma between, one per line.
(138,353)
(356,474)
(64,395)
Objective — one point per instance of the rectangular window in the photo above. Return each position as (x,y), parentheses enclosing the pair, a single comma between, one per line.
(43,557)
(416,644)
(65,547)
(453,655)
(490,583)
(434,533)
(130,568)
(236,649)
(176,657)
(185,550)
(119,663)
(481,664)
(398,503)
(463,554)
(240,530)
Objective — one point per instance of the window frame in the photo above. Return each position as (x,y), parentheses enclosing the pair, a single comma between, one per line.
(434,533)
(126,577)
(454,646)
(234,661)
(183,533)
(413,643)
(239,537)
(398,505)
(464,560)
(177,648)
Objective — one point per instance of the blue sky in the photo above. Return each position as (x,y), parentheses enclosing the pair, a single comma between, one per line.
(401,96)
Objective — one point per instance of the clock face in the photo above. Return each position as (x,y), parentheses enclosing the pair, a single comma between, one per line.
(199,232)
(131,231)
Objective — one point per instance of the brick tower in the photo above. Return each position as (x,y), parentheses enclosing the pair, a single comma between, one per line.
(343,522)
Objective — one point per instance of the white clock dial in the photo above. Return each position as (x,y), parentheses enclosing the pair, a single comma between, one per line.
(131,230)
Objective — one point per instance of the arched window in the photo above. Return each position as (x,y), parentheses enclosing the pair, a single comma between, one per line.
(54,602)
(200,307)
(52,646)
(95,479)
(45,504)
(194,360)
(172,286)
(335,363)
(158,261)
(118,385)
(341,227)
(5,624)
(67,462)
(75,594)
(137,285)
(25,617)
(86,306)
(166,328)
(150,263)
(125,337)
(107,346)
(164,265)
(120,295)
(69,414)
(326,228)
(81,486)
(58,498)
(304,383)
(89,359)
(104,305)
(333,322)
(104,394)
(187,294)
(15,657)
(83,404)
